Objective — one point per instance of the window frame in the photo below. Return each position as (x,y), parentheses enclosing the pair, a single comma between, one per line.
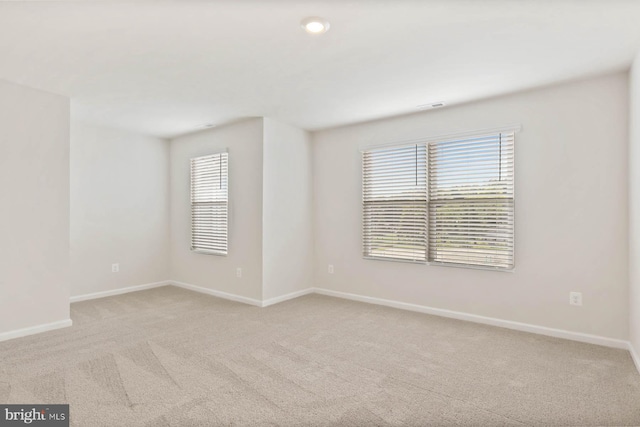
(225,203)
(513,129)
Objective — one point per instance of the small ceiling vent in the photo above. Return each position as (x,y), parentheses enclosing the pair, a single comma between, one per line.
(430,106)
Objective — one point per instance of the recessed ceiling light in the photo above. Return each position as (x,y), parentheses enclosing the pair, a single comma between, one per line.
(315,25)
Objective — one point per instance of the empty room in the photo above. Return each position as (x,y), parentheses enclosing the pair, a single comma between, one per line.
(320,213)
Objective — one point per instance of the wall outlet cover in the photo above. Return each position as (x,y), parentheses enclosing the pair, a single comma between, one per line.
(575,298)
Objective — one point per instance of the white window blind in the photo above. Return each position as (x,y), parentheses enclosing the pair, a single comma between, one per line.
(448,202)
(209,204)
(394,194)
(471,201)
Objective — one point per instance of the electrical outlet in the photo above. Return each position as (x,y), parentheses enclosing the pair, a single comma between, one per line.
(330,269)
(115,268)
(238,272)
(575,298)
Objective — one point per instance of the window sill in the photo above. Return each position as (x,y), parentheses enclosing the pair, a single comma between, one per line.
(404,261)
(472,267)
(443,264)
(204,252)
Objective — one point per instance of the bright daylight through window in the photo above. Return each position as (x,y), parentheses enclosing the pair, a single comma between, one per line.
(446,202)
(209,204)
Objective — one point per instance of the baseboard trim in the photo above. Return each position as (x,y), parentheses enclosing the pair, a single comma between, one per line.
(518,326)
(19,333)
(634,357)
(524,327)
(119,291)
(286,297)
(219,294)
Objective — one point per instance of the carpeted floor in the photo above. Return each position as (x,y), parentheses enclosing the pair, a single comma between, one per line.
(170,357)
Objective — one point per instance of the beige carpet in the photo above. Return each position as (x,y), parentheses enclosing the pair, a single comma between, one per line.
(170,357)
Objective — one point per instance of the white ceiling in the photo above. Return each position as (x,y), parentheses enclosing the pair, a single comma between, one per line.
(166,68)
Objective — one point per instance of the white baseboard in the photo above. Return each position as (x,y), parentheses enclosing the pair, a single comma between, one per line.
(525,327)
(282,298)
(219,294)
(18,333)
(635,357)
(119,291)
(239,298)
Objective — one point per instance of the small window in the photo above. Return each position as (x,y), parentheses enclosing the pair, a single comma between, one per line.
(447,202)
(209,204)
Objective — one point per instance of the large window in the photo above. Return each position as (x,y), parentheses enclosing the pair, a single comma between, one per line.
(209,204)
(447,202)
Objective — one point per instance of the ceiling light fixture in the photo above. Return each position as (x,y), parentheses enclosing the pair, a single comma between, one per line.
(315,25)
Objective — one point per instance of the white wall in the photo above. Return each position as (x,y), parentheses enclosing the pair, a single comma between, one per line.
(634,210)
(244,143)
(287,239)
(571,211)
(119,209)
(34,212)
